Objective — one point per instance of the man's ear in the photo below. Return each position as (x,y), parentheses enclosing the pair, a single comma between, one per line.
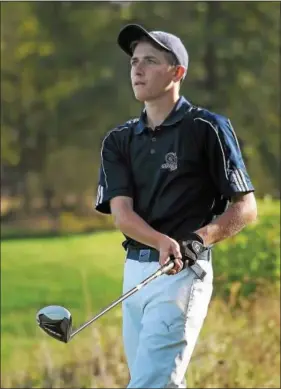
(179,73)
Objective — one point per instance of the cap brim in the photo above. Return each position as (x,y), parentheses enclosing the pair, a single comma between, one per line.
(134,32)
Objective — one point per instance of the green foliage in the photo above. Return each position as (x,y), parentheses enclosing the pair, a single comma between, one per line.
(252,256)
(65,82)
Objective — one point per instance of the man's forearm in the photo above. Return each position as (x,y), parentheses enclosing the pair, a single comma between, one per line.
(132,225)
(233,220)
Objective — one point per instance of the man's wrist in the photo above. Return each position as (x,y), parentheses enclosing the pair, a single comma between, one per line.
(197,237)
(157,240)
(202,236)
(192,247)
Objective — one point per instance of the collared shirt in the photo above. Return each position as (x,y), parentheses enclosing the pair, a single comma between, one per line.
(180,175)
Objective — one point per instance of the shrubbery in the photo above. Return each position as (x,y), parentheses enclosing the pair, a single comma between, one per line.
(252,257)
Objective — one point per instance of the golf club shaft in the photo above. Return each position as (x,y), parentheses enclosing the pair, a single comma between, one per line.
(164,269)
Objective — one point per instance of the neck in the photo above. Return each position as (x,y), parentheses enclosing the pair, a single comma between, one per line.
(157,110)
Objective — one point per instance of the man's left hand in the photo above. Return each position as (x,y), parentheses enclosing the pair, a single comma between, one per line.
(191,248)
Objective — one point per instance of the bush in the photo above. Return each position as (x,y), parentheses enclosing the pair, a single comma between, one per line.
(252,256)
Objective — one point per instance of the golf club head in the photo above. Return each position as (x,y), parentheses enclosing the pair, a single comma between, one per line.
(56,321)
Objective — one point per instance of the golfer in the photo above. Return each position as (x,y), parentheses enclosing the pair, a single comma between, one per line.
(175,182)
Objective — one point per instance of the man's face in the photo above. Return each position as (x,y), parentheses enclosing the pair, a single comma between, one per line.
(151,74)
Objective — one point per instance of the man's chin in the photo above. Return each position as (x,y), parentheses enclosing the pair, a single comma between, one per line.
(144,98)
(141,97)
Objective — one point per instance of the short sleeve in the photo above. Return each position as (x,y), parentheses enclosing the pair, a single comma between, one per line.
(225,160)
(114,175)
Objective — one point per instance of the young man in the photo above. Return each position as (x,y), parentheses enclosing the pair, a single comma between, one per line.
(176,184)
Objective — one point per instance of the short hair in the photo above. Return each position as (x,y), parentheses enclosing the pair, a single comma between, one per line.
(171,58)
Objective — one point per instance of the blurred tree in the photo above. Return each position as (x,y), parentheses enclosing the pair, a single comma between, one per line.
(65,82)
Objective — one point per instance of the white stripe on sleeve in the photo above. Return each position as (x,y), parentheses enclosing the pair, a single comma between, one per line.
(222,151)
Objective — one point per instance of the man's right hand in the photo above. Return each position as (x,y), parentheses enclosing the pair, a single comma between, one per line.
(168,247)
(132,225)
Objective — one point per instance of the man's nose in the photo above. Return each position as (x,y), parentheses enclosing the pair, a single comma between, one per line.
(139,68)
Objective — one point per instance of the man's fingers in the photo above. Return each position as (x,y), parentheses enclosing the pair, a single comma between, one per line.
(175,254)
(178,266)
(164,258)
(177,259)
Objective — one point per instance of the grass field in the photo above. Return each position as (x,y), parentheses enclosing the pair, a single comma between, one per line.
(238,347)
(73,271)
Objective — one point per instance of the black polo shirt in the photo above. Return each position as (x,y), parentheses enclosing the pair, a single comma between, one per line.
(180,176)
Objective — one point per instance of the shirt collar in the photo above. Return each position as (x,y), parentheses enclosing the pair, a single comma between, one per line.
(176,115)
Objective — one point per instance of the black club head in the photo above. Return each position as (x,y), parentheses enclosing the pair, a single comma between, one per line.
(56,321)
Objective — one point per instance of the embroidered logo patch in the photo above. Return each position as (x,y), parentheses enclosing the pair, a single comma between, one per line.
(144,255)
(171,162)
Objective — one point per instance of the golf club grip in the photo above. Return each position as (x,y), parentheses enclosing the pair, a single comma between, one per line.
(167,267)
(163,270)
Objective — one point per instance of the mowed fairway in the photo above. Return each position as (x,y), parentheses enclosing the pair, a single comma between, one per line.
(82,273)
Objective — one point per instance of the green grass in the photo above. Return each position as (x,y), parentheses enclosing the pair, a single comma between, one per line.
(81,273)
(84,274)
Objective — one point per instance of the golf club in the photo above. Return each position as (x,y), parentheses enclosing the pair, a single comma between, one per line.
(56,321)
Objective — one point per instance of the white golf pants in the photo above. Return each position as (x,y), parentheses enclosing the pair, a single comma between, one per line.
(161,323)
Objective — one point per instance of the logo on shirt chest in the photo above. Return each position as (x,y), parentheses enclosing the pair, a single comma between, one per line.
(171,162)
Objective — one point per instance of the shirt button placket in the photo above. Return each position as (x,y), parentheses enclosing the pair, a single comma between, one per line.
(153,139)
